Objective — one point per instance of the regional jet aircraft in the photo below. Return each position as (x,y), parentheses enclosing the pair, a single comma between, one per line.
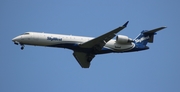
(85,48)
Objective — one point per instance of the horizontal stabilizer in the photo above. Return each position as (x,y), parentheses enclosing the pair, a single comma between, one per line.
(154,30)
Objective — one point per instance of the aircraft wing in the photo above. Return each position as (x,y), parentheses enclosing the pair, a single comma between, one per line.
(83,59)
(100,41)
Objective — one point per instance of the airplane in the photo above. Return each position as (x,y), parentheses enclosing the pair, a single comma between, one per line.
(86,48)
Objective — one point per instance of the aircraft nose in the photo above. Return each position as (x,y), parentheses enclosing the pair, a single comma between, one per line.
(16,38)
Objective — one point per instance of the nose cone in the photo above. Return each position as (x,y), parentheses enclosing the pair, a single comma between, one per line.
(18,38)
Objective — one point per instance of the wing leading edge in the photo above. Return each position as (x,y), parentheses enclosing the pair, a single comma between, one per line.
(103,38)
(95,44)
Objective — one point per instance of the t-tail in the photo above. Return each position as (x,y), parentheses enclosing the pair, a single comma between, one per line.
(146,36)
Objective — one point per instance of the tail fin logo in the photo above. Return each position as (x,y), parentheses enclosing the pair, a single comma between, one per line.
(141,39)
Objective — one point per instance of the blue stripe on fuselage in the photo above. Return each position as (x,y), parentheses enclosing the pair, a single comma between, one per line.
(104,50)
(75,47)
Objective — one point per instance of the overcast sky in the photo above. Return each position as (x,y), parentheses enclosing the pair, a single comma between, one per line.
(44,69)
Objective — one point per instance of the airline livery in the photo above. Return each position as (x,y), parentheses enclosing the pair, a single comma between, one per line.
(85,48)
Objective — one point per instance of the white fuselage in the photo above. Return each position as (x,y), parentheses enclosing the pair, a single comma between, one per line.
(65,41)
(85,48)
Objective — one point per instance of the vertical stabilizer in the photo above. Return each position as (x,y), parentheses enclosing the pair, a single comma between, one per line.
(146,36)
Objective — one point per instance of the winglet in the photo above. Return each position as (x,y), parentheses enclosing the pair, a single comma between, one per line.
(126,24)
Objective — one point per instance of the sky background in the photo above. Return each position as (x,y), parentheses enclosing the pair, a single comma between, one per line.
(44,69)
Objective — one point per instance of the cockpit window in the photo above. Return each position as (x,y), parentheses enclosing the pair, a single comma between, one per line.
(25,34)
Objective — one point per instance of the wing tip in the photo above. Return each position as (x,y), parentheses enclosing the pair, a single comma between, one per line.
(164,27)
(125,24)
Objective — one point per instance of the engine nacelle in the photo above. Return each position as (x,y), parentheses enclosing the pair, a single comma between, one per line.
(123,39)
